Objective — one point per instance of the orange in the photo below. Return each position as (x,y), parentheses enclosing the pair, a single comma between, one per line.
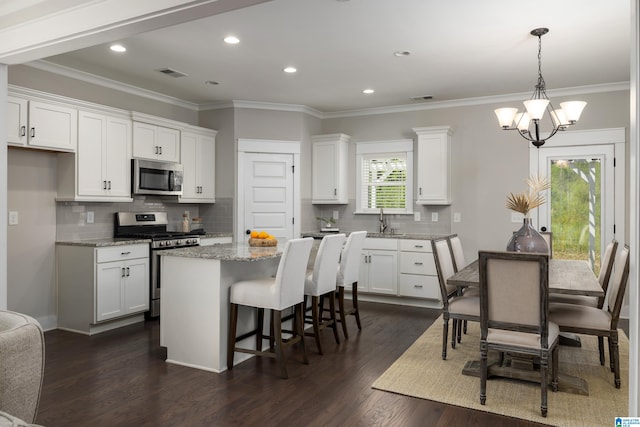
(263,235)
(254,234)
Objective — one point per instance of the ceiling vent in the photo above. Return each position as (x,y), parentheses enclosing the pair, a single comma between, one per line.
(172,72)
(422,98)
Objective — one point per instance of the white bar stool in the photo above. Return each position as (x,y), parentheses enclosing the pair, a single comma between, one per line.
(348,274)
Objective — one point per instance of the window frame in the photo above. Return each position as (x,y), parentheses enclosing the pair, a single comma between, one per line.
(387,149)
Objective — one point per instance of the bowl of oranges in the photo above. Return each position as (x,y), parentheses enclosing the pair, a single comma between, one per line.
(262,238)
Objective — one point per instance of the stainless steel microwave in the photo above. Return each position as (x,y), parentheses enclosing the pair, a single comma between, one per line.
(160,178)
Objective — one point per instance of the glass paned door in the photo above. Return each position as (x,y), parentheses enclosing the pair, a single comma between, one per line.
(580,207)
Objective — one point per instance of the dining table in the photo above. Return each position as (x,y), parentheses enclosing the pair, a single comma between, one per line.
(569,277)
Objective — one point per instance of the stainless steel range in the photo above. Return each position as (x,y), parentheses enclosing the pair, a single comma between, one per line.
(153,225)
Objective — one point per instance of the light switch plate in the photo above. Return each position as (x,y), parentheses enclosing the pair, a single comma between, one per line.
(434,216)
(336,215)
(89,217)
(416,216)
(13,217)
(456,217)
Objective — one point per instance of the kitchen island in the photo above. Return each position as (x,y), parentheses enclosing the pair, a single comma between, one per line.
(195,300)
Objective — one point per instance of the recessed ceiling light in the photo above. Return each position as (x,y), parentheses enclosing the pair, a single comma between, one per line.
(118,48)
(231,40)
(368,91)
(290,70)
(211,82)
(401,53)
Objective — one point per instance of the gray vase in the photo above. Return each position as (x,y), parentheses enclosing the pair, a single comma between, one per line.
(527,239)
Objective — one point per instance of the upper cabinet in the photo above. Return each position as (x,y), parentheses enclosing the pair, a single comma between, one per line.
(198,157)
(433,165)
(329,169)
(155,142)
(43,125)
(101,168)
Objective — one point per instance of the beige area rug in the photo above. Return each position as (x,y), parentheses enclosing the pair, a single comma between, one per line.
(421,372)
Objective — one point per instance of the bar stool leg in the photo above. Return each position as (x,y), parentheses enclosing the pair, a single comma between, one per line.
(332,314)
(354,297)
(299,315)
(260,323)
(343,319)
(278,350)
(315,315)
(231,339)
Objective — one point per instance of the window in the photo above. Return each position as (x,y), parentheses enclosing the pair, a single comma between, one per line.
(384,177)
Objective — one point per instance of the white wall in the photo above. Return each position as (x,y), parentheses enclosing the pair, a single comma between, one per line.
(3,188)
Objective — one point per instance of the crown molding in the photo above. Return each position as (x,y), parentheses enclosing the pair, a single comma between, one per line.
(111,84)
(430,105)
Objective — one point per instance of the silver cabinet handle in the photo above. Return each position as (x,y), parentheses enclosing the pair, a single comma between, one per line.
(420,191)
(418,246)
(335,191)
(109,185)
(33,132)
(23,130)
(125,253)
(128,272)
(104,185)
(417,286)
(160,148)
(122,274)
(156,147)
(417,263)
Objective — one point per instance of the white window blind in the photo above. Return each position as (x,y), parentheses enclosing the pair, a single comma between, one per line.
(384,177)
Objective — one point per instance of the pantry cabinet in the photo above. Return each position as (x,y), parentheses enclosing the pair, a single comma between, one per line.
(43,125)
(329,169)
(433,165)
(101,288)
(198,157)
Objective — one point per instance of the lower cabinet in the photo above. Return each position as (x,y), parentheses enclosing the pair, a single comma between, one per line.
(399,267)
(101,288)
(210,241)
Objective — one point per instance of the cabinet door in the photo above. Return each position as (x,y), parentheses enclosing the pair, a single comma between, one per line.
(325,172)
(109,290)
(52,126)
(189,160)
(117,157)
(91,133)
(433,166)
(16,121)
(168,141)
(136,286)
(144,141)
(206,168)
(383,277)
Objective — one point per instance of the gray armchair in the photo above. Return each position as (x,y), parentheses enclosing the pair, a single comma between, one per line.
(21,365)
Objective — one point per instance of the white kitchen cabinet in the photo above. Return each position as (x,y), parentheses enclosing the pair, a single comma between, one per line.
(101,288)
(379,266)
(433,165)
(329,169)
(43,125)
(101,168)
(418,277)
(155,142)
(198,157)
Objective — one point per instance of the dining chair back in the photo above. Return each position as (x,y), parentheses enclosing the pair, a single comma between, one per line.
(322,282)
(456,250)
(348,274)
(456,306)
(276,294)
(548,237)
(514,313)
(601,322)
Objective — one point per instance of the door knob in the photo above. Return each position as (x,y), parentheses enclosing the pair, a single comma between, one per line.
(247,232)
(543,229)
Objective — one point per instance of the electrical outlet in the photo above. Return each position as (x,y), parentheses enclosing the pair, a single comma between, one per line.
(456,217)
(516,217)
(336,215)
(434,216)
(13,217)
(416,216)
(89,217)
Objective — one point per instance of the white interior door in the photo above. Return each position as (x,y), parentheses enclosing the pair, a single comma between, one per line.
(268,190)
(580,208)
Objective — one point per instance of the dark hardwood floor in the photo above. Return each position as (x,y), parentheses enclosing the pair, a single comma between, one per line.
(120,378)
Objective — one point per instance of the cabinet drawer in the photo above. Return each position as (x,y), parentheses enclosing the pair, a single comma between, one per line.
(384,244)
(417,263)
(416,286)
(120,253)
(415,245)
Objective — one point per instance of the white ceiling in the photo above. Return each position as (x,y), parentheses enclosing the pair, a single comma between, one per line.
(459,49)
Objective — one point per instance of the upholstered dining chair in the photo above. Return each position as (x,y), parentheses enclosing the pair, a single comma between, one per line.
(606,267)
(322,282)
(601,322)
(548,237)
(513,313)
(277,294)
(455,244)
(455,306)
(21,365)
(348,273)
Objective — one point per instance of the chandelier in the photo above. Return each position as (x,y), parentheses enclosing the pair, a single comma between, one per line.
(538,108)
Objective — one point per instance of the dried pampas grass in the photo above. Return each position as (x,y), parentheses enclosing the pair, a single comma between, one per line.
(527,200)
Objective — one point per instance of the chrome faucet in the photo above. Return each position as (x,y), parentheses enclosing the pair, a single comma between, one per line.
(383,224)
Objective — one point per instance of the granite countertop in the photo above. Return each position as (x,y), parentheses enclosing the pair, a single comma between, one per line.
(110,241)
(226,252)
(216,234)
(410,236)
